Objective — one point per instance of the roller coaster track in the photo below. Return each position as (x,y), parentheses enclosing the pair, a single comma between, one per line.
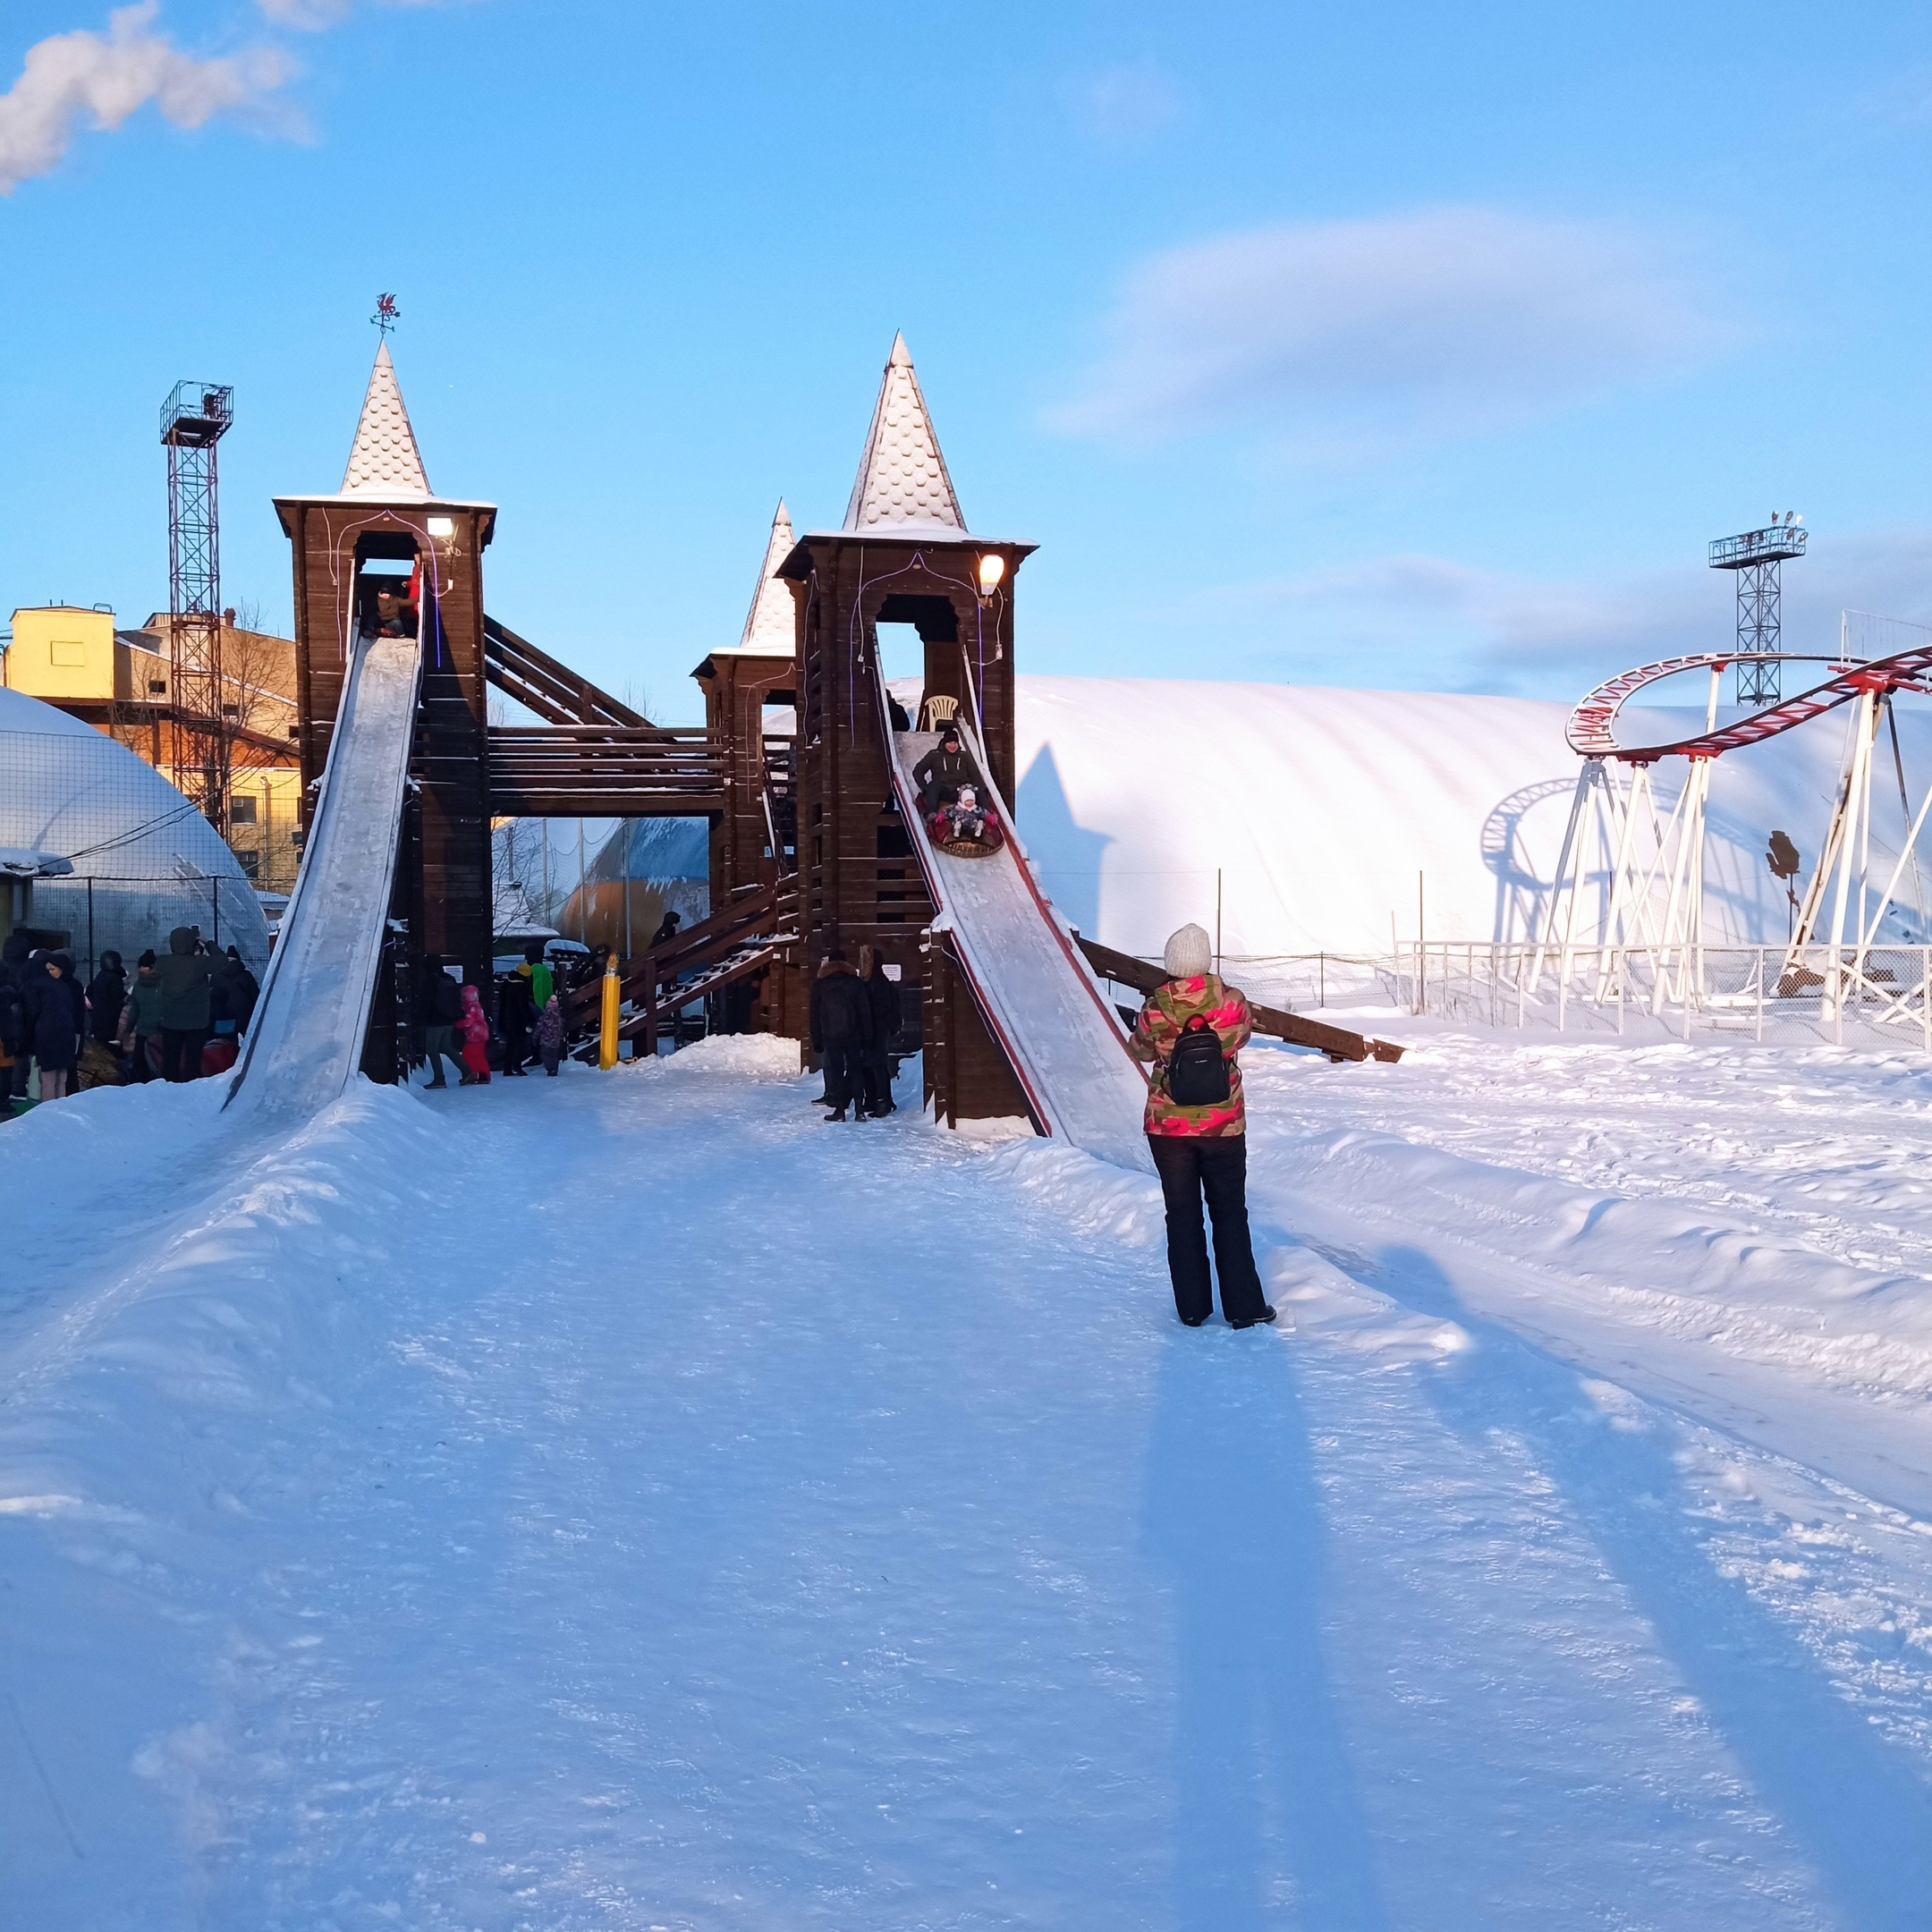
(1591,730)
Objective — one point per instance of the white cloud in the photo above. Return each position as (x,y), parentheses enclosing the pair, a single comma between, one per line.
(1346,331)
(1126,106)
(73,77)
(312,16)
(1438,621)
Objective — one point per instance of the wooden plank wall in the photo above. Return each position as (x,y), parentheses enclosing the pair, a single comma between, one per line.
(859,879)
(443,877)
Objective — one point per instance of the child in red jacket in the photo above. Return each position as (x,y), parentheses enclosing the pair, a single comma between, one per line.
(474,1030)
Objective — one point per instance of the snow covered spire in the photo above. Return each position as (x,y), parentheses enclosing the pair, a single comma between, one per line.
(768,624)
(385,461)
(902,477)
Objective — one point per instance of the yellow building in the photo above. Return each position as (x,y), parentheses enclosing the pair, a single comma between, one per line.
(62,651)
(73,656)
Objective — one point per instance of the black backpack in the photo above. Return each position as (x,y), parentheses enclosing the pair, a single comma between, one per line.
(1197,1069)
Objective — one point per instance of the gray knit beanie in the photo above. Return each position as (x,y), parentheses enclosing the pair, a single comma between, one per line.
(1188,954)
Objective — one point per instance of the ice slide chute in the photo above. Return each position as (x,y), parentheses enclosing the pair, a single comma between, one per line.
(1038,992)
(306,1038)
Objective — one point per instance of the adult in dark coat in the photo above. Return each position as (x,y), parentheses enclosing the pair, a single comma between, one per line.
(106,995)
(940,774)
(841,1030)
(57,1023)
(882,995)
(13,952)
(239,986)
(438,1008)
(187,978)
(516,1021)
(667,930)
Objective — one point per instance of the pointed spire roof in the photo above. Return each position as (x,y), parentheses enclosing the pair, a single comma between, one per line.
(768,625)
(384,461)
(903,481)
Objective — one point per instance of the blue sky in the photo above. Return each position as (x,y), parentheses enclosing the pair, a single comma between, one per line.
(1388,345)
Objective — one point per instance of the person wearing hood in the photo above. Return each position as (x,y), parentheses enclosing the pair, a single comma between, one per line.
(140,1023)
(15,1052)
(56,1022)
(1189,1029)
(943,771)
(882,995)
(187,976)
(106,995)
(842,1030)
(474,1029)
(550,1036)
(238,987)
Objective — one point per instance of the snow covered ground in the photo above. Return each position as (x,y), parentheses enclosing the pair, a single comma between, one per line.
(626,1501)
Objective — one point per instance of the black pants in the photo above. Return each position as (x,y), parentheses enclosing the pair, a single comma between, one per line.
(1191,1166)
(181,1052)
(878,1079)
(845,1075)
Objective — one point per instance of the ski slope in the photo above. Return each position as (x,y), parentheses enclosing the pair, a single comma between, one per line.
(306,1038)
(1060,1032)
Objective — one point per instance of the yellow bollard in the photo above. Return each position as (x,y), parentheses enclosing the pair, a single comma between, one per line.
(612,998)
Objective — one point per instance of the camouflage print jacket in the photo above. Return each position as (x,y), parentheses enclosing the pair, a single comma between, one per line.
(1166,1013)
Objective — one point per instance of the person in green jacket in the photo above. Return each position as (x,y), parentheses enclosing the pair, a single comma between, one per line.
(141,1023)
(542,981)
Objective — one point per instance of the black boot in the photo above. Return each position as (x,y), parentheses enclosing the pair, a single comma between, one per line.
(836,1114)
(1266,1315)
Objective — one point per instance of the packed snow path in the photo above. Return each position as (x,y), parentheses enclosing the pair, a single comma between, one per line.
(626,1500)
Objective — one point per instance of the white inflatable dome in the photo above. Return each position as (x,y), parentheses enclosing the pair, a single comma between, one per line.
(144,860)
(1310,812)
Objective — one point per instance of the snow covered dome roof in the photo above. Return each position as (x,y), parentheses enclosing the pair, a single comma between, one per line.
(156,864)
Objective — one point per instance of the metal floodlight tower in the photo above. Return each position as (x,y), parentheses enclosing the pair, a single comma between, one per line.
(194,418)
(1754,555)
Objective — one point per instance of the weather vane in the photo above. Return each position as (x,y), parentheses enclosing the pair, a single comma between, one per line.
(387,315)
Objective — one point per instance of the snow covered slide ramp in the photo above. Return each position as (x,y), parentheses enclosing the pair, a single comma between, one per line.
(1040,997)
(307,1036)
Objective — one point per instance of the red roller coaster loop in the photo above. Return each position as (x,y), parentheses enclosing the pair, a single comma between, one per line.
(1591,733)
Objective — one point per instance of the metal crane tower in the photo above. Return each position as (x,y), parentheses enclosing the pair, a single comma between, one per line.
(1754,555)
(194,418)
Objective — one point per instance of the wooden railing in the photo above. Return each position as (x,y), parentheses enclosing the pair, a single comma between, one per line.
(1337,1042)
(650,980)
(540,683)
(604,771)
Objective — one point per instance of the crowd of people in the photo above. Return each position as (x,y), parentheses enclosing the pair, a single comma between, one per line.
(181,1014)
(529,1027)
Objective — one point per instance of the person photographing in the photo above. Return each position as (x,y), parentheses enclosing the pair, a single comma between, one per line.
(1188,1031)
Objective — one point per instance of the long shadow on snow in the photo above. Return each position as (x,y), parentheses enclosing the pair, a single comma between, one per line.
(1853,1805)
(1232,1508)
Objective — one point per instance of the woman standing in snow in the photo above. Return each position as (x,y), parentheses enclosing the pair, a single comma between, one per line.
(474,1030)
(1190,1031)
(57,1023)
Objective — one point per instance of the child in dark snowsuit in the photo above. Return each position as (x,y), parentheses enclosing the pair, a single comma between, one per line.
(550,1036)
